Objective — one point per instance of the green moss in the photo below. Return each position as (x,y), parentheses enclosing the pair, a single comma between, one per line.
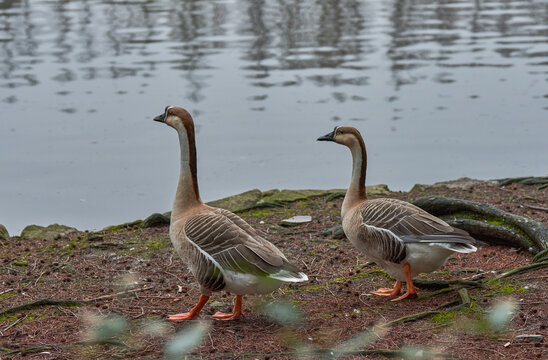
(20,262)
(473,311)
(51,247)
(506,289)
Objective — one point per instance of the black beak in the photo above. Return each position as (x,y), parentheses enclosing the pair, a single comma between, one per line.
(327,137)
(160,118)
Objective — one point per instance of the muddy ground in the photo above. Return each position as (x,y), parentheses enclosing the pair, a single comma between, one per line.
(335,304)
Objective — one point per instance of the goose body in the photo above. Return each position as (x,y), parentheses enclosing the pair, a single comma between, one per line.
(222,251)
(401,238)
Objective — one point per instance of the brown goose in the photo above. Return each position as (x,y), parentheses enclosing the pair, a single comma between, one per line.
(400,237)
(222,251)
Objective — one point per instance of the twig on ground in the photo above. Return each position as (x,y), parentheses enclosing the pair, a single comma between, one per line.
(536,207)
(15,323)
(6,291)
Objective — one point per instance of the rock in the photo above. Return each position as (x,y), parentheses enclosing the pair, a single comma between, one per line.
(240,202)
(155,220)
(4,235)
(50,232)
(530,338)
(296,220)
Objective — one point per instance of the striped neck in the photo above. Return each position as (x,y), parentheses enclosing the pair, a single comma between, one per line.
(187,195)
(356,190)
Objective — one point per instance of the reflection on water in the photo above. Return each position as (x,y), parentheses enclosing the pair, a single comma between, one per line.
(441,89)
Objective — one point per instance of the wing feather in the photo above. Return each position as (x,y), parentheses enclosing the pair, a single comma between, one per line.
(389,224)
(234,245)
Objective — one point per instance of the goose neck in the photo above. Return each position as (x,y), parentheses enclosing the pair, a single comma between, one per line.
(356,190)
(187,195)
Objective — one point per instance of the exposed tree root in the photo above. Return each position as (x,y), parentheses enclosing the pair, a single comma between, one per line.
(488,223)
(65,302)
(330,353)
(42,302)
(519,270)
(440,284)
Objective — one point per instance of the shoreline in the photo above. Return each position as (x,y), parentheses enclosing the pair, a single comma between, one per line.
(256,198)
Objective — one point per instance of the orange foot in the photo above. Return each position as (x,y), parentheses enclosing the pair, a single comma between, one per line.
(236,312)
(411,289)
(389,292)
(193,313)
(224,316)
(183,316)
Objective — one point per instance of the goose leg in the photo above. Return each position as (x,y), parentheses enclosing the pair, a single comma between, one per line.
(411,289)
(236,312)
(193,313)
(389,292)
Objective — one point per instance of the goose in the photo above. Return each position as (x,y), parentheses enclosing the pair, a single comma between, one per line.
(401,238)
(222,251)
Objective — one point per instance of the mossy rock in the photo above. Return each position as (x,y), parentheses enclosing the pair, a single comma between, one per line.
(50,232)
(240,202)
(155,220)
(381,189)
(124,225)
(4,235)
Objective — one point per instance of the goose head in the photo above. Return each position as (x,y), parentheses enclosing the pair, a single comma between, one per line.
(344,135)
(176,117)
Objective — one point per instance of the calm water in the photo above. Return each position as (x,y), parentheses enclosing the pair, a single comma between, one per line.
(440,89)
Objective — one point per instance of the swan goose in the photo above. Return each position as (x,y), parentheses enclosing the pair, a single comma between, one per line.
(400,237)
(222,251)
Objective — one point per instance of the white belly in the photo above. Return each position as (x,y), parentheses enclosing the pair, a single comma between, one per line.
(241,284)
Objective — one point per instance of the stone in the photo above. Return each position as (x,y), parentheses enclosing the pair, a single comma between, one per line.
(296,220)
(50,232)
(4,235)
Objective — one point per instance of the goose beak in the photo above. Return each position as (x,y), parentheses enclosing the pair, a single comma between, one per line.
(161,118)
(327,137)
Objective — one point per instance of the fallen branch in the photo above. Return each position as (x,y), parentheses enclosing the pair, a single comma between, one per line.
(125,292)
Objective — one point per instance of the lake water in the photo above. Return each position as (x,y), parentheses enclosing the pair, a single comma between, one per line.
(439,89)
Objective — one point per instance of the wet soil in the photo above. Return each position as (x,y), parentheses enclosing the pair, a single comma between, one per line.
(335,304)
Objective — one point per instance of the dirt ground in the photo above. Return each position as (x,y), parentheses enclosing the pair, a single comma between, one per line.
(335,304)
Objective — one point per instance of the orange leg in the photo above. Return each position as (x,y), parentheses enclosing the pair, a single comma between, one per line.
(411,289)
(389,292)
(236,312)
(193,313)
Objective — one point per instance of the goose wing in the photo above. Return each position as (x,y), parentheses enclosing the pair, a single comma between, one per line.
(391,223)
(229,243)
